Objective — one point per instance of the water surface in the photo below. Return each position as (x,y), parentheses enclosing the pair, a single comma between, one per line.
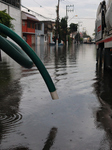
(31,120)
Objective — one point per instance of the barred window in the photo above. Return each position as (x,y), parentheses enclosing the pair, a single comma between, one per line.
(15,3)
(29,24)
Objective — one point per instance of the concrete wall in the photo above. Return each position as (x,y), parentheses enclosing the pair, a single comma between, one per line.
(14,13)
(39,40)
(39,34)
(42,40)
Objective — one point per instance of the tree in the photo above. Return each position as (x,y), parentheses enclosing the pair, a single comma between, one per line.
(77,37)
(73,27)
(85,34)
(93,33)
(63,28)
(6,20)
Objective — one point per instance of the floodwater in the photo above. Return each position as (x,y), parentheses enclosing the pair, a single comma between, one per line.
(81,119)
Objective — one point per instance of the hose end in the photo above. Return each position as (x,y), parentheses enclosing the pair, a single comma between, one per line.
(54,95)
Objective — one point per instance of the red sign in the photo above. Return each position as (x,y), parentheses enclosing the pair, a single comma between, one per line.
(99,29)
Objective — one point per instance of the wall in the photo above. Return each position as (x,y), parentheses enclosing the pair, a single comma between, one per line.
(40,32)
(14,13)
(42,40)
(39,36)
(27,29)
(24,26)
(29,39)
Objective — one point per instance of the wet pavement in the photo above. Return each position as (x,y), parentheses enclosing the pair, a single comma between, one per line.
(80,120)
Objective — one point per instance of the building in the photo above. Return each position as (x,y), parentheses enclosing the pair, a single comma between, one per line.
(49,30)
(44,32)
(29,23)
(36,32)
(13,8)
(41,38)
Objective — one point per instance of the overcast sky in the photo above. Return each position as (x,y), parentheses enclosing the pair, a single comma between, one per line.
(84,11)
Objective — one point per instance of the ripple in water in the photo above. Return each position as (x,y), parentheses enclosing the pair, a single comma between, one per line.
(8,122)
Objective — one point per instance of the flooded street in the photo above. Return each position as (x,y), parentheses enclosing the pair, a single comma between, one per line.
(78,120)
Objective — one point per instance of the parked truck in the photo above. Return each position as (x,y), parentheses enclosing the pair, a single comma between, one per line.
(103,34)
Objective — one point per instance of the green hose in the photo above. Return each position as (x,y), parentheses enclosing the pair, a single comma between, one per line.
(31,54)
(15,53)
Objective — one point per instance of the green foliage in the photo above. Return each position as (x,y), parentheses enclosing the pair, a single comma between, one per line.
(73,27)
(69,40)
(85,35)
(57,32)
(62,30)
(63,23)
(77,37)
(63,26)
(6,20)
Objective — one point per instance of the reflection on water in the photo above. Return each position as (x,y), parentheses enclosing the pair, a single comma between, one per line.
(103,86)
(18,148)
(103,90)
(30,120)
(50,139)
(10,95)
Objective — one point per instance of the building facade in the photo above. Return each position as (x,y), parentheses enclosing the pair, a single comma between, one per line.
(13,8)
(39,32)
(49,30)
(28,28)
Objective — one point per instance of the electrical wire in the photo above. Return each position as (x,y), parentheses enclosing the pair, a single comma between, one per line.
(80,18)
(36,13)
(37,3)
(70,4)
(75,11)
(41,6)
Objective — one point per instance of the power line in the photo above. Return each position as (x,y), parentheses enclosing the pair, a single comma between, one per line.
(67,1)
(29,10)
(84,18)
(75,11)
(70,4)
(37,3)
(81,18)
(41,6)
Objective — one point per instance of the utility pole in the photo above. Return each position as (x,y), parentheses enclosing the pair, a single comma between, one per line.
(57,24)
(68,8)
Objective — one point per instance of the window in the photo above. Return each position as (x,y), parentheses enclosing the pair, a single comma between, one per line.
(15,3)
(28,24)
(39,26)
(33,25)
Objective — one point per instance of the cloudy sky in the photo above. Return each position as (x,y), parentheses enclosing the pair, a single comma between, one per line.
(84,11)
